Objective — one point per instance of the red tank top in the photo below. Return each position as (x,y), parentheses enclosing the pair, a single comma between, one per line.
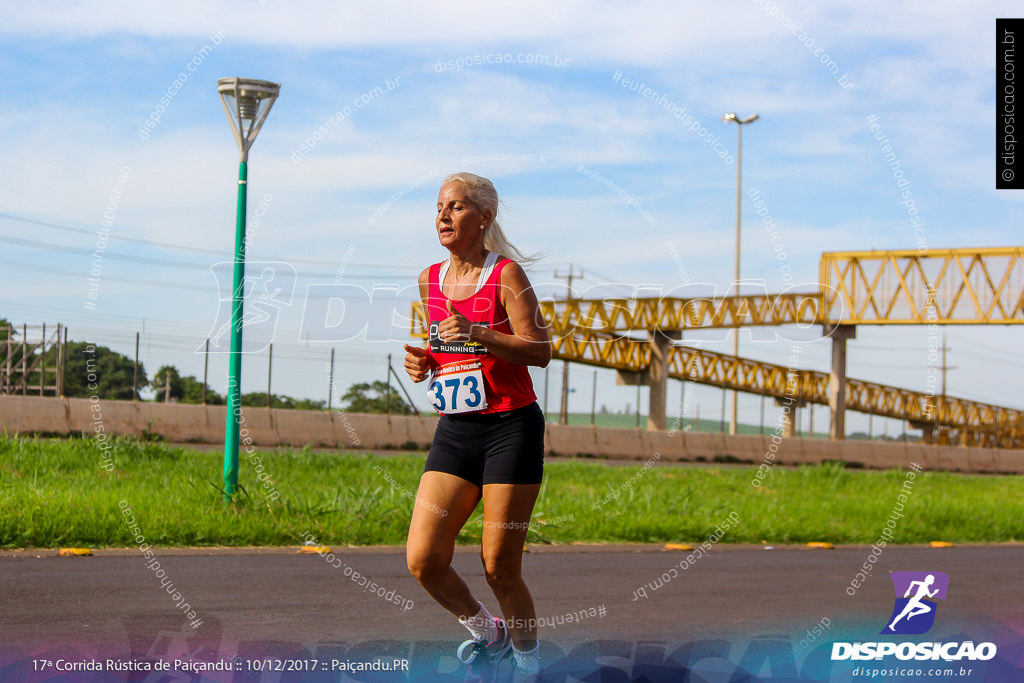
(507,386)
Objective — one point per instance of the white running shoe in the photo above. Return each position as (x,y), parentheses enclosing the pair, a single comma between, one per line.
(482,657)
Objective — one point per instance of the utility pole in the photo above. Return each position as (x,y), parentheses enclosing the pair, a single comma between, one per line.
(563,412)
(167,386)
(330,383)
(206,368)
(135,371)
(270,367)
(944,366)
(593,401)
(387,399)
(762,414)
(62,352)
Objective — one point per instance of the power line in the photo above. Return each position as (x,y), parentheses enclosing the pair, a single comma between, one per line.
(866,347)
(973,342)
(179,247)
(103,255)
(84,231)
(34,244)
(50,270)
(160,284)
(614,282)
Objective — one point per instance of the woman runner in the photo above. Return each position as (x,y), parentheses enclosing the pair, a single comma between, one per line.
(485,328)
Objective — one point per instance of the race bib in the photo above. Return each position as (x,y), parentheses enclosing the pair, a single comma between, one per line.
(458,388)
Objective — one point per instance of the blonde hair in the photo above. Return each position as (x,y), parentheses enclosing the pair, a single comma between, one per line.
(482,193)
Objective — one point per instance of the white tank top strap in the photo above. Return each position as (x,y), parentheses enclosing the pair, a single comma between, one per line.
(485,272)
(442,273)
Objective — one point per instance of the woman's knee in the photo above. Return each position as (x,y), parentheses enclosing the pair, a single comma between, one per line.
(427,565)
(503,572)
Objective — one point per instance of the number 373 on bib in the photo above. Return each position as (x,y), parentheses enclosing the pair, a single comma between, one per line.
(458,388)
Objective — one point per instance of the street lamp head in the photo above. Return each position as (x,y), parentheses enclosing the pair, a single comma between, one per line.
(731,116)
(246,102)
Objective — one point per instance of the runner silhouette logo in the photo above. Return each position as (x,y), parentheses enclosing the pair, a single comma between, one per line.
(916,595)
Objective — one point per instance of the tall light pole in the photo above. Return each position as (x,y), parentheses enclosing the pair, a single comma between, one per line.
(247,103)
(563,410)
(731,116)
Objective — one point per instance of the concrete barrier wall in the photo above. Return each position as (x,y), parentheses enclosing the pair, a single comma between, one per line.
(270,428)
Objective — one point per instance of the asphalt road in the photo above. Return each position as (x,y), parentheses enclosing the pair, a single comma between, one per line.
(277,602)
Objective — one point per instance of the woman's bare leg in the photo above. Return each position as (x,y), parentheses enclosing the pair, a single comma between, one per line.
(507,512)
(443,504)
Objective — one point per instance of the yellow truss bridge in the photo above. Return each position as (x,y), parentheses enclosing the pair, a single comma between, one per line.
(937,287)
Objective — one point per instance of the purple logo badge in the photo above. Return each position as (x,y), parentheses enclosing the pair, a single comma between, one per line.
(916,593)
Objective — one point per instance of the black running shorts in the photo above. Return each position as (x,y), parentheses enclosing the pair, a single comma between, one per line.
(490,448)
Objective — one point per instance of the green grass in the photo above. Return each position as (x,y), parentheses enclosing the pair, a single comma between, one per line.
(55,493)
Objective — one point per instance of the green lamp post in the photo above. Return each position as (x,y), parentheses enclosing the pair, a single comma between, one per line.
(247,103)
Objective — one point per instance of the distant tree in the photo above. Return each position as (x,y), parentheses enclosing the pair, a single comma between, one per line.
(193,392)
(90,369)
(9,331)
(310,404)
(258,399)
(183,389)
(372,398)
(161,380)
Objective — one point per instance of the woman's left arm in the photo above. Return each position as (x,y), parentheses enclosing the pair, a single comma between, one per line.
(529,344)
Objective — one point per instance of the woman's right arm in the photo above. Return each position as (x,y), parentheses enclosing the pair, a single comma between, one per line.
(418,361)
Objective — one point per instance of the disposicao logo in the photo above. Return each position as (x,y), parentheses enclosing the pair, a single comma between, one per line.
(913,613)
(916,593)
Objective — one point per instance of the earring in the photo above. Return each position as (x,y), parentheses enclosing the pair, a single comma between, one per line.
(482,227)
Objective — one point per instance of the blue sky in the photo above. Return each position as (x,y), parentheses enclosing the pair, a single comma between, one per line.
(592,173)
